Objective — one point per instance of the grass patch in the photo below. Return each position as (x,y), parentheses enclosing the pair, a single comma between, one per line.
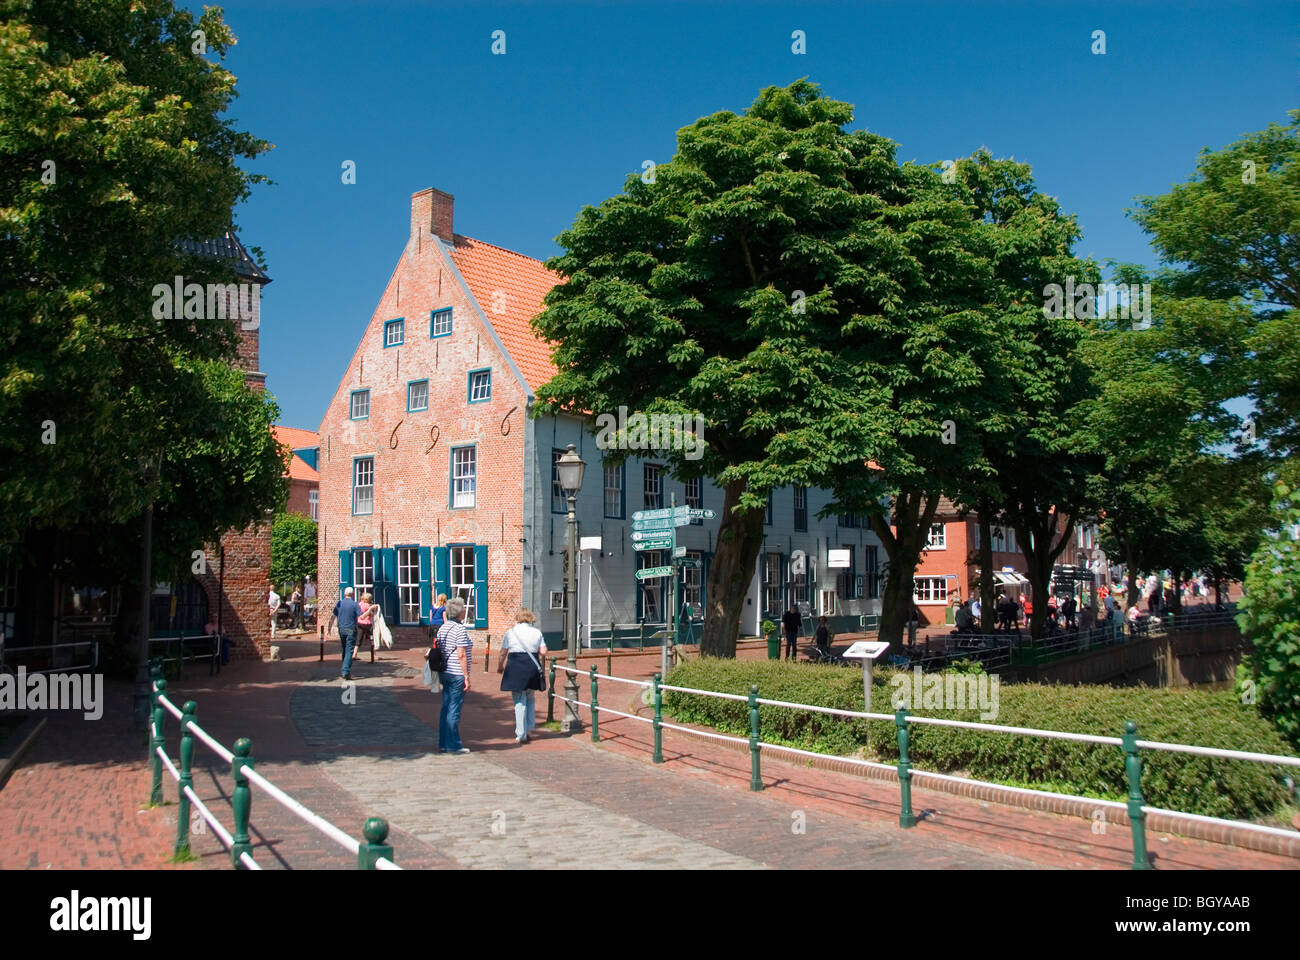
(1212,787)
(185,856)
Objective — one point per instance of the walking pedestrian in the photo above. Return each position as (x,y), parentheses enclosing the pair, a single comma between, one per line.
(346,612)
(365,622)
(273,605)
(791,621)
(455,678)
(295,608)
(521,670)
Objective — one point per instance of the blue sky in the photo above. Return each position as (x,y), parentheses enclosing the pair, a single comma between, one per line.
(586,92)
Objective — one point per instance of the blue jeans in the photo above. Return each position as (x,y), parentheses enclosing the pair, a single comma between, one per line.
(453,695)
(525,716)
(349,639)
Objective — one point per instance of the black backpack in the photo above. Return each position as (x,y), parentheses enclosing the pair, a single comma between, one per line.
(437,657)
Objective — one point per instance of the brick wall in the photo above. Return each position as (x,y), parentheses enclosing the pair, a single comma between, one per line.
(244,616)
(300,496)
(242,598)
(412,450)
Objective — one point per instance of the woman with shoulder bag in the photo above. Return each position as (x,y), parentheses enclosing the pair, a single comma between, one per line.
(520,667)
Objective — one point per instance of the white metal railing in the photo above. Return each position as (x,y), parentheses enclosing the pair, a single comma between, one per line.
(1192,749)
(254,777)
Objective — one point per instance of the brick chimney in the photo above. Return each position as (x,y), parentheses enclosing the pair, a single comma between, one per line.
(430,215)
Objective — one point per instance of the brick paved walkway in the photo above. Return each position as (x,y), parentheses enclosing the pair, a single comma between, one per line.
(559,802)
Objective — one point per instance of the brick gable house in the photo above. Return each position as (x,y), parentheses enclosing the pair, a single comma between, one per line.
(435,479)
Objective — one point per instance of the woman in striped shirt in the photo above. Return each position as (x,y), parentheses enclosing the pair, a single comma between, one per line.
(453,639)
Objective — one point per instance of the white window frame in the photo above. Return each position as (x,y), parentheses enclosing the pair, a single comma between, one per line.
(559,502)
(353,405)
(480,386)
(313,503)
(408,584)
(930,590)
(652,472)
(693,492)
(410,407)
(460,560)
(398,325)
(614,494)
(939,542)
(772,584)
(464,477)
(359,471)
(363,571)
(435,322)
(652,588)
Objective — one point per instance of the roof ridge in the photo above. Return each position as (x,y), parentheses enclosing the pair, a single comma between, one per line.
(497,246)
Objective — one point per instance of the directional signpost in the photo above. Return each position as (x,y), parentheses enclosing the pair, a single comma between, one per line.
(657,530)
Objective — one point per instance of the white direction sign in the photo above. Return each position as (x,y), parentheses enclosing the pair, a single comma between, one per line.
(652,514)
(652,534)
(659,523)
(650,573)
(837,558)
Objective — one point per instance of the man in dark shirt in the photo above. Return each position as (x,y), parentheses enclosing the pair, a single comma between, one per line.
(346,612)
(792,622)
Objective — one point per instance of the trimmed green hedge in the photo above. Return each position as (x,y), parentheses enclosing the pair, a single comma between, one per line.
(1235,789)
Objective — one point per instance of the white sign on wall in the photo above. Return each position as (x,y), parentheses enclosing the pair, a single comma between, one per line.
(838,558)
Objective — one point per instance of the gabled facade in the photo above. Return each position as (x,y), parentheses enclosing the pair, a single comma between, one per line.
(435,479)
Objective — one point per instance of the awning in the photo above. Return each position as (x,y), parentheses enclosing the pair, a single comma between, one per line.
(1009,579)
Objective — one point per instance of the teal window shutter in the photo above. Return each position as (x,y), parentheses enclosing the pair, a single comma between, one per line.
(386,582)
(345,570)
(480,588)
(425,591)
(441,571)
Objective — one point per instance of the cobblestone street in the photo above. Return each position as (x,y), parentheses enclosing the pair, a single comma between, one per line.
(559,802)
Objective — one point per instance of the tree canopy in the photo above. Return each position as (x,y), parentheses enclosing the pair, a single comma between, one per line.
(114,147)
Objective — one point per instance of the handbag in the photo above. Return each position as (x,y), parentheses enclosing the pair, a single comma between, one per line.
(505,651)
(382,633)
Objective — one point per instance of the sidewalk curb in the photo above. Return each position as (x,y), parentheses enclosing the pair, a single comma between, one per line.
(24,737)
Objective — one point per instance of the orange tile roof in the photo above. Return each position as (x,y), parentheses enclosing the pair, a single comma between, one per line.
(490,269)
(296,437)
(299,470)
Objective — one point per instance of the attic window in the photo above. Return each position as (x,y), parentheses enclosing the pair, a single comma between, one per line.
(440,323)
(394,332)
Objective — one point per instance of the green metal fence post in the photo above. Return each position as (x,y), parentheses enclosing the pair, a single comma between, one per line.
(595,715)
(659,719)
(186,780)
(376,832)
(906,818)
(550,695)
(1136,818)
(755,733)
(241,800)
(156,742)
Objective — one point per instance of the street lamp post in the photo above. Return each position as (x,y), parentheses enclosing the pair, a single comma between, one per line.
(570,468)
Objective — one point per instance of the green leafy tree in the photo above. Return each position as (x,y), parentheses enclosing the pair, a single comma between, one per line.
(1029,474)
(1233,231)
(1270,616)
(790,282)
(112,148)
(293,548)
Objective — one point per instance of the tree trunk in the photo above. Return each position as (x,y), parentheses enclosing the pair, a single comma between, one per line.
(1041,552)
(990,616)
(740,537)
(913,513)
